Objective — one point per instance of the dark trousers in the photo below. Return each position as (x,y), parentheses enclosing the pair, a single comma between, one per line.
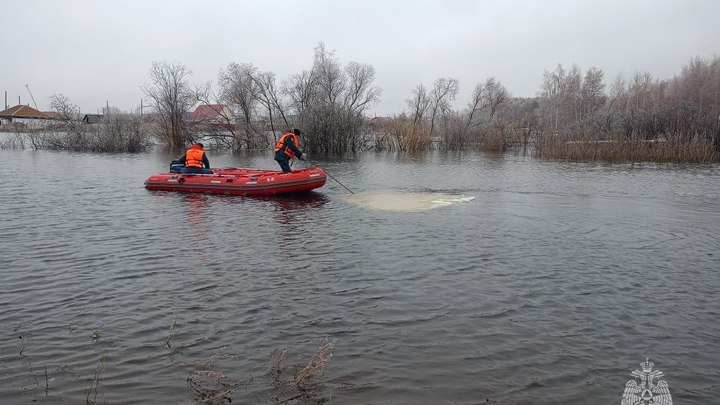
(284,164)
(196,170)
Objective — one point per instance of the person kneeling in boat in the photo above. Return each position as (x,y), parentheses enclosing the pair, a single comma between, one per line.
(194,160)
(287,148)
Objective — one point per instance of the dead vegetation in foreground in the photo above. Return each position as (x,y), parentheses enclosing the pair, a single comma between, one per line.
(304,386)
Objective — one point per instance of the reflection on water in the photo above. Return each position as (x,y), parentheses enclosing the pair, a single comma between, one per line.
(196,209)
(294,214)
(405,202)
(547,288)
(296,202)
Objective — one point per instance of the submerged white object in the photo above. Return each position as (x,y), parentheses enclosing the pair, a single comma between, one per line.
(405,202)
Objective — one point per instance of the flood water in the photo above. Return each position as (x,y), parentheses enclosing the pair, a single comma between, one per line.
(550,286)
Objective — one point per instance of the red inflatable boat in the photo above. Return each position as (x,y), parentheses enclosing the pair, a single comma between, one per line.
(236,181)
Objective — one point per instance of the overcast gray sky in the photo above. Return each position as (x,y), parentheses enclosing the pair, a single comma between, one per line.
(98,51)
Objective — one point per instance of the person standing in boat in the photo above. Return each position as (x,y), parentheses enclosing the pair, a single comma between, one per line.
(195,160)
(287,148)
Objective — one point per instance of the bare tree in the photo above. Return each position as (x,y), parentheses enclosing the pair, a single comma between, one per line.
(477,105)
(171,97)
(331,81)
(301,90)
(496,96)
(220,128)
(330,102)
(444,91)
(639,91)
(69,113)
(552,91)
(592,92)
(562,94)
(522,114)
(610,111)
(571,94)
(240,89)
(419,103)
(73,133)
(360,91)
(487,100)
(269,97)
(116,132)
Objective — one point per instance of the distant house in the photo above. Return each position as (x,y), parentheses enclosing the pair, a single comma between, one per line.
(23,114)
(92,118)
(213,114)
(52,115)
(379,123)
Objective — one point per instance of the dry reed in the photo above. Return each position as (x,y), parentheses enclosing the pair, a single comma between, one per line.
(401,135)
(669,149)
(209,386)
(306,386)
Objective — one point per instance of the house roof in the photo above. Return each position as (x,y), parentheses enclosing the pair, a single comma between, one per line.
(208,111)
(22,111)
(93,118)
(53,115)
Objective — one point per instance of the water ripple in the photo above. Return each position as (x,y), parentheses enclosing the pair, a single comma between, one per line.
(549,287)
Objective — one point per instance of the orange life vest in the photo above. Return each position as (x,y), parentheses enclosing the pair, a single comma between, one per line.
(194,157)
(281,144)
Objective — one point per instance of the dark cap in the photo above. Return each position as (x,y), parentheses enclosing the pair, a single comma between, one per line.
(200,145)
(297,131)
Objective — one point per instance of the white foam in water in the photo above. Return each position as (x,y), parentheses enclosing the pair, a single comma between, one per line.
(453,200)
(405,202)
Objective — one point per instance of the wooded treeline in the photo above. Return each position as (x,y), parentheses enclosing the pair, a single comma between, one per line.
(329,102)
(642,117)
(575,115)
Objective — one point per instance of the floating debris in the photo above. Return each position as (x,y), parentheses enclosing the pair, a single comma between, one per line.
(405,202)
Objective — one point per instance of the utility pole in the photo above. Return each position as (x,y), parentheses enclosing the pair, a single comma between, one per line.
(31,96)
(6,99)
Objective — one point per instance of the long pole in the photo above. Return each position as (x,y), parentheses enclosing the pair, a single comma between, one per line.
(31,96)
(331,176)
